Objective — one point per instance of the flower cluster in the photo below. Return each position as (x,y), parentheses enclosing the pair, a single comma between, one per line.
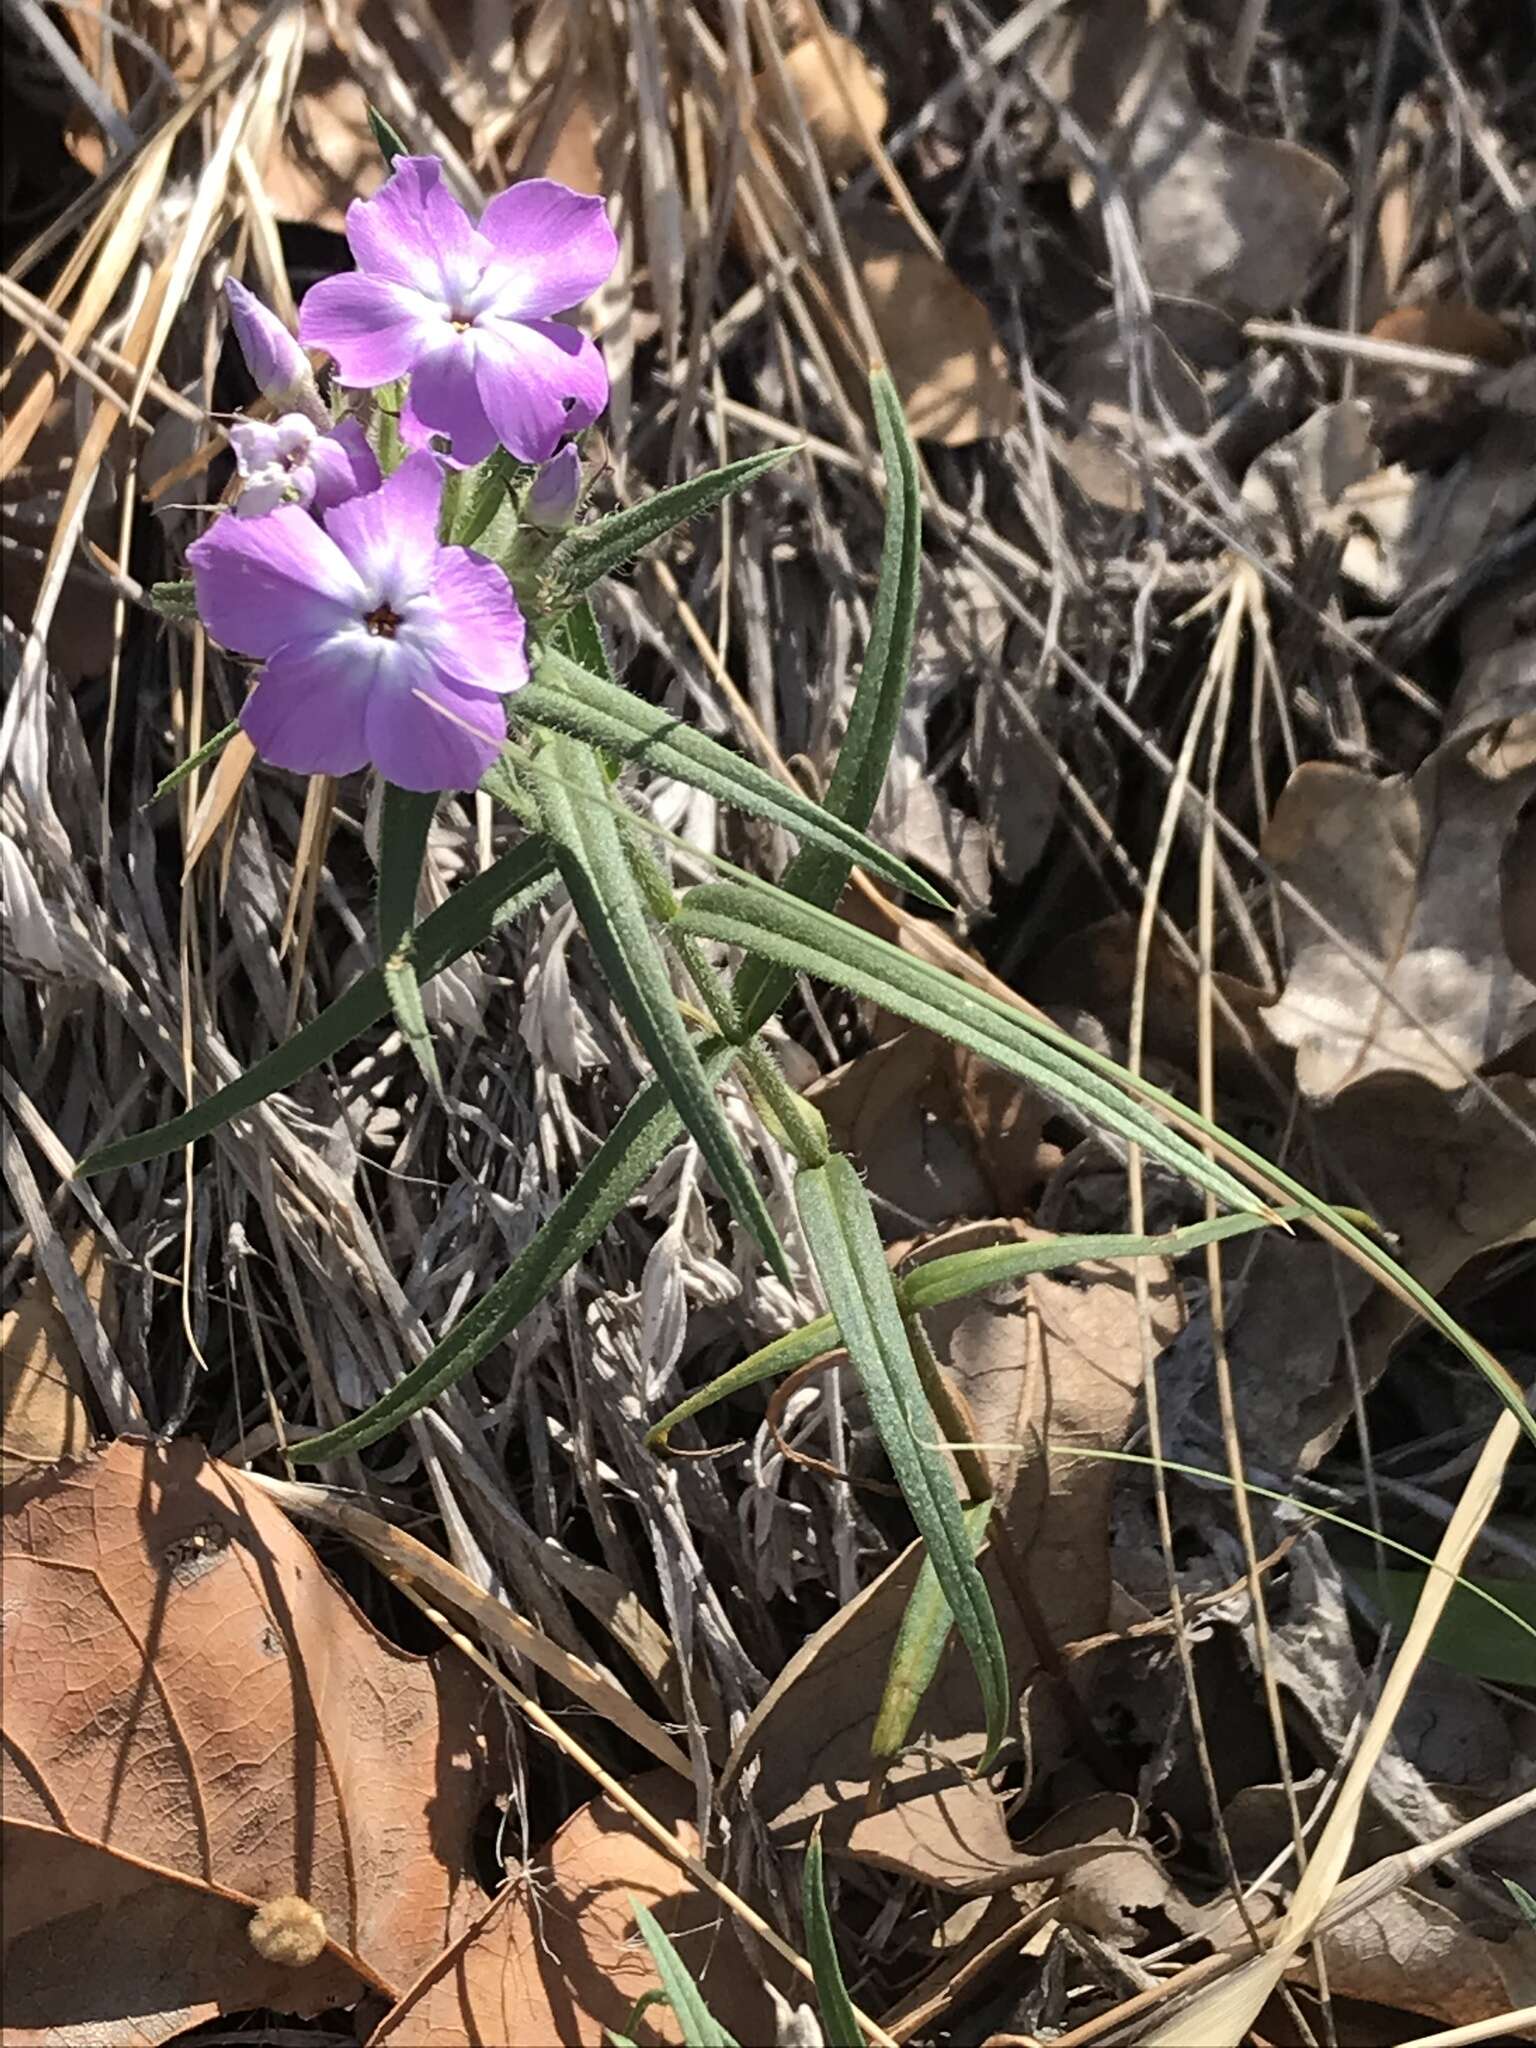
(379,643)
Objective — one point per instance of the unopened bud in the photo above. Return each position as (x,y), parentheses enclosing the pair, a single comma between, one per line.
(272,355)
(556,491)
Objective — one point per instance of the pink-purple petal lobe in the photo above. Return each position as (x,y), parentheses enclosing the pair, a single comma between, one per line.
(308,711)
(413,231)
(445,398)
(539,380)
(390,535)
(344,465)
(374,329)
(554,248)
(471,626)
(431,734)
(262,583)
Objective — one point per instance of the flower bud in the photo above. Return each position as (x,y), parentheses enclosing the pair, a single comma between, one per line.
(279,366)
(556,491)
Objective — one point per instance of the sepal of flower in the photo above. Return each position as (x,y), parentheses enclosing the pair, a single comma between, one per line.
(278,366)
(379,644)
(289,461)
(466,311)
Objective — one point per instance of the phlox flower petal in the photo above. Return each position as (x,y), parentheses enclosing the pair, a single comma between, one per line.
(379,643)
(464,311)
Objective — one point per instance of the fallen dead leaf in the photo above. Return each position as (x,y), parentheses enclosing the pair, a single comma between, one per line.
(1054,1355)
(1453,325)
(824,81)
(556,1958)
(42,1381)
(1237,220)
(940,345)
(197,1722)
(1111,442)
(1415,1954)
(1401,868)
(939,1134)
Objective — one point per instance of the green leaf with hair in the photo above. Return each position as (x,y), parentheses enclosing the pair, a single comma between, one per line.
(202,757)
(588,553)
(840,1232)
(405,821)
(589,850)
(875,713)
(699,2026)
(566,698)
(839,2022)
(934,1282)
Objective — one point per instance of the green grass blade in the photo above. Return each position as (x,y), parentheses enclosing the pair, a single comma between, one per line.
(589,848)
(784,1354)
(839,2022)
(508,887)
(875,713)
(1522,1899)
(840,1232)
(404,824)
(210,750)
(937,1281)
(920,1642)
(633,1149)
(700,2027)
(812,941)
(566,698)
(592,552)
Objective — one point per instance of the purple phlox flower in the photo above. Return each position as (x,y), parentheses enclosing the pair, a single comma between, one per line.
(465,311)
(288,461)
(275,360)
(377,643)
(555,492)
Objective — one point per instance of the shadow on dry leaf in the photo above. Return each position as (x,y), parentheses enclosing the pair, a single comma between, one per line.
(557,1958)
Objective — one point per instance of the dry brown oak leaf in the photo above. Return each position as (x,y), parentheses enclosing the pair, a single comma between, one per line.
(198,1722)
(557,1959)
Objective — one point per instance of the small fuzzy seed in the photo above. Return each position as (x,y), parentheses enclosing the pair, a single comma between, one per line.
(289,1931)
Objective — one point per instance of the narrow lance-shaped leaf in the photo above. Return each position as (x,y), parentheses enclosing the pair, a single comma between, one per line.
(589,553)
(565,698)
(589,848)
(761,919)
(844,1243)
(937,1281)
(210,750)
(504,891)
(480,496)
(404,823)
(839,2022)
(875,713)
(699,2026)
(391,143)
(920,1643)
